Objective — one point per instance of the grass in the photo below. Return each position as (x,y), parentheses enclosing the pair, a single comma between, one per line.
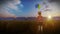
(28,27)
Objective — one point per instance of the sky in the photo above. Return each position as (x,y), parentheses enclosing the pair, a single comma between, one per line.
(26,8)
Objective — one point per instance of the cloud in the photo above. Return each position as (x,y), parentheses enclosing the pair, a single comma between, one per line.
(5,13)
(21,5)
(16,1)
(54,0)
(55,9)
(12,4)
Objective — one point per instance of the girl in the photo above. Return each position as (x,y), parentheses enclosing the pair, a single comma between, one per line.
(39,23)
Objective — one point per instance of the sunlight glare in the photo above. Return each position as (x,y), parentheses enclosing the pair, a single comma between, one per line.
(49,17)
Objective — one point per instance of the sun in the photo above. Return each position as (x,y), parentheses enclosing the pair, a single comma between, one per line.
(49,17)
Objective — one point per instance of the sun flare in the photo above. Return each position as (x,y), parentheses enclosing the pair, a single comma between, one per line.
(49,17)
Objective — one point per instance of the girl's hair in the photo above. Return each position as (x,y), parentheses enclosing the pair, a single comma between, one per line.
(39,13)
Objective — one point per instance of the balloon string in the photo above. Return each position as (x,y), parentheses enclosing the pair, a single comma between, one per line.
(39,10)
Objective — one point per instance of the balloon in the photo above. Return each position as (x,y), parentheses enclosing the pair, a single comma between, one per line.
(38,6)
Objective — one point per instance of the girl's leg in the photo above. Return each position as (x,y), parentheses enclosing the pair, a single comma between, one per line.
(41,28)
(38,29)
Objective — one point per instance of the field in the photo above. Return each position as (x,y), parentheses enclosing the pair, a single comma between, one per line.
(28,26)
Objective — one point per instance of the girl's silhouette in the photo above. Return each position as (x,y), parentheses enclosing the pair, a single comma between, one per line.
(39,23)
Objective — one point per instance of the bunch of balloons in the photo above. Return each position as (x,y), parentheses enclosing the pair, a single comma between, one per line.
(38,6)
(45,5)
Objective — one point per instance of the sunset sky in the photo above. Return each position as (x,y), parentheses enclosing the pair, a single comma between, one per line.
(26,8)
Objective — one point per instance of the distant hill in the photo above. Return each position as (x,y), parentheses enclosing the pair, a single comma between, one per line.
(26,18)
(56,18)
